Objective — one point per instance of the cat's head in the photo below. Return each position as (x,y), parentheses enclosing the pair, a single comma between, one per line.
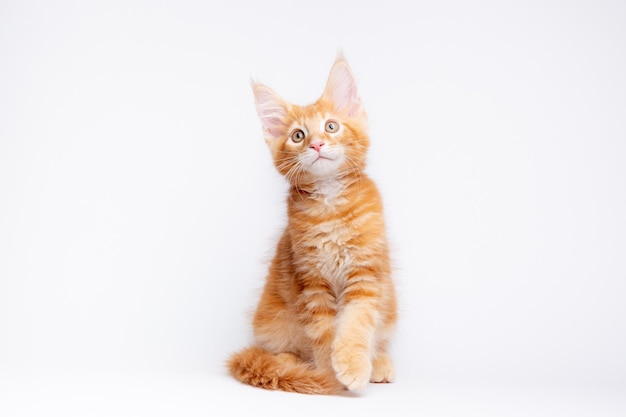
(323,140)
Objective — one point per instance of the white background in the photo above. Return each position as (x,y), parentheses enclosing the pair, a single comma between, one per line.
(139,205)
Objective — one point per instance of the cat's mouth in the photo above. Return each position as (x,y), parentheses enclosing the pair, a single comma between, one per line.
(322,157)
(322,164)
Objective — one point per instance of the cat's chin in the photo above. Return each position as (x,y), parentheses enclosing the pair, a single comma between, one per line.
(323,168)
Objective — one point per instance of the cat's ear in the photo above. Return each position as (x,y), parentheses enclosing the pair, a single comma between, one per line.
(341,88)
(272,110)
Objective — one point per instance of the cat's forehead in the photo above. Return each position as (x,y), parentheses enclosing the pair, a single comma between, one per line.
(313,114)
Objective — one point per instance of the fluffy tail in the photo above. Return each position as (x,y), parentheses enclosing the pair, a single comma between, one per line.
(257,367)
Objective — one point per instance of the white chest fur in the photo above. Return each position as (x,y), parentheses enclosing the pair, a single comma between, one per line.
(333,255)
(330,190)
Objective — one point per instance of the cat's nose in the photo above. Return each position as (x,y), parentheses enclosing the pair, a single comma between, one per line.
(317,145)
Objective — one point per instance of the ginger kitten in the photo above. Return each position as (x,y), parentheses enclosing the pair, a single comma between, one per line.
(328,307)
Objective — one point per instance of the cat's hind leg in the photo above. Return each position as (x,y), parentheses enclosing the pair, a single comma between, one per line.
(382,369)
(382,365)
(277,330)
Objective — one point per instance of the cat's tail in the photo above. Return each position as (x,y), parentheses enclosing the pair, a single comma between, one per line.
(257,367)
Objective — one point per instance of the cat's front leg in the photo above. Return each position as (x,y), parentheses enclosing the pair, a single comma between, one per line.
(352,349)
(317,315)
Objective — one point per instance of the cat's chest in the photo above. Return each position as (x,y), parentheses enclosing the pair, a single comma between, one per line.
(330,253)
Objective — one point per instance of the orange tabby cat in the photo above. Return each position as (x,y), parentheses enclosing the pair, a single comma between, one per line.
(328,307)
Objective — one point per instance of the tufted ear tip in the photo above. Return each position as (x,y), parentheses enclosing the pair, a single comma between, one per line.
(272,110)
(341,87)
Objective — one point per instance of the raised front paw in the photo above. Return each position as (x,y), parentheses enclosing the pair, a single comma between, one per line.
(383,369)
(352,368)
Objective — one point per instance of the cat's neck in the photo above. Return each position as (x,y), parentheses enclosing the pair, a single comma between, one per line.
(329,191)
(329,188)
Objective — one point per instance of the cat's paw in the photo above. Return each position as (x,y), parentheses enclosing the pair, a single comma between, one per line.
(382,369)
(351,368)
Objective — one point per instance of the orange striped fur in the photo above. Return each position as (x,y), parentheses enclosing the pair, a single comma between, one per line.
(328,307)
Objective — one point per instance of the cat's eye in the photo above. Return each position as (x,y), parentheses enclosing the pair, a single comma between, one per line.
(331,126)
(297,136)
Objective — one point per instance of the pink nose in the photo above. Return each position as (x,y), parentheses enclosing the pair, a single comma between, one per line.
(317,145)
